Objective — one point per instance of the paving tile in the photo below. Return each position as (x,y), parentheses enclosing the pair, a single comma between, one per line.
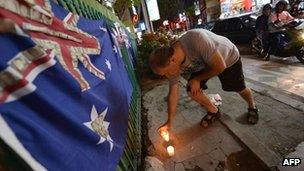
(218,155)
(206,163)
(190,164)
(229,145)
(179,167)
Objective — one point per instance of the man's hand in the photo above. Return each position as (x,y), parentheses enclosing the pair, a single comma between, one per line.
(172,104)
(195,86)
(165,127)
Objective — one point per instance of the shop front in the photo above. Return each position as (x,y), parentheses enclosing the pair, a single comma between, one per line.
(231,8)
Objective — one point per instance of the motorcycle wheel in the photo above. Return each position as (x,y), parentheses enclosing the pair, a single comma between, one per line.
(300,56)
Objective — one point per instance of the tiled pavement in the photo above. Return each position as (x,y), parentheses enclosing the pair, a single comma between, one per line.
(194,146)
(286,75)
(280,128)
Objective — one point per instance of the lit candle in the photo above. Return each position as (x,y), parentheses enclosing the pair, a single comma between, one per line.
(165,135)
(170,150)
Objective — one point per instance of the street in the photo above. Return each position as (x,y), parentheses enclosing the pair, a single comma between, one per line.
(278,91)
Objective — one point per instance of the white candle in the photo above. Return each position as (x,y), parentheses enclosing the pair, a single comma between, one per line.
(165,135)
(170,150)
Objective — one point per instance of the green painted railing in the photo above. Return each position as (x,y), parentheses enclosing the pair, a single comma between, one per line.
(131,158)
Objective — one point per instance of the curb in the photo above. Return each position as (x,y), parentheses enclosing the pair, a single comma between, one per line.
(266,156)
(283,96)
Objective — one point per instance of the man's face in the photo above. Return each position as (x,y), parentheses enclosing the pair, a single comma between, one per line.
(267,12)
(171,69)
(281,8)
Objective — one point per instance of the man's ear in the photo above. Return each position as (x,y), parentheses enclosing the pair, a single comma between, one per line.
(172,59)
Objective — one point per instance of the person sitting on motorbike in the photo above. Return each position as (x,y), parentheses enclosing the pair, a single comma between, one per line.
(281,16)
(277,19)
(262,27)
(297,10)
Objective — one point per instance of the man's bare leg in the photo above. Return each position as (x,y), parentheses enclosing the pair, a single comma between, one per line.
(252,116)
(246,94)
(204,100)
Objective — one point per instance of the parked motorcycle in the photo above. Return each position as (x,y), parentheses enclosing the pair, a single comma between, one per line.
(291,43)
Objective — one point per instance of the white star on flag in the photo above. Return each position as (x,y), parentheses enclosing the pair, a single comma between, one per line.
(100,126)
(115,49)
(103,29)
(108,64)
(128,44)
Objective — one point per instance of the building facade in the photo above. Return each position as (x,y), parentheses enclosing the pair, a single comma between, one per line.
(214,9)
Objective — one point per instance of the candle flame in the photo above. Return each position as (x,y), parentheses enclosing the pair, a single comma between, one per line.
(170,150)
(165,135)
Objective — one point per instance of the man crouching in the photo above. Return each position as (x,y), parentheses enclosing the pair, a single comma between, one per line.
(199,55)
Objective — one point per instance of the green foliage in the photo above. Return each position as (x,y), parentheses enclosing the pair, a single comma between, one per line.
(190,11)
(128,23)
(121,5)
(169,9)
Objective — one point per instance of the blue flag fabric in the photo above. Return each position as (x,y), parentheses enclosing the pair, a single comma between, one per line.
(57,121)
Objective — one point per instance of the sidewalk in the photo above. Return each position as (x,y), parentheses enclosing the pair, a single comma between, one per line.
(279,131)
(281,79)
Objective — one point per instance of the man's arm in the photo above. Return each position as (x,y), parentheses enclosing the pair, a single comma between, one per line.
(258,24)
(272,18)
(215,66)
(173,97)
(289,17)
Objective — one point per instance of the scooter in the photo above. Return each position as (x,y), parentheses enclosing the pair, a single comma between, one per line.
(291,42)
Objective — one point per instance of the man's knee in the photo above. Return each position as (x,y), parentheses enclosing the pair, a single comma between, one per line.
(190,94)
(244,90)
(193,96)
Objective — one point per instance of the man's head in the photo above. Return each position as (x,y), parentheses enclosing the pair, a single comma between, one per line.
(267,9)
(281,6)
(163,61)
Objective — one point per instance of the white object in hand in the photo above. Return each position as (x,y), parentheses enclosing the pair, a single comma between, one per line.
(216,99)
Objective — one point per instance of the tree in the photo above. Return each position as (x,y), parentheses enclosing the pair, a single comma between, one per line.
(190,11)
(120,6)
(169,9)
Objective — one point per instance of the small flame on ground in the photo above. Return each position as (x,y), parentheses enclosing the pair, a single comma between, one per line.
(165,135)
(170,150)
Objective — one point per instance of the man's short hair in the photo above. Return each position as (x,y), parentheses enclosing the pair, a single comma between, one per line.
(160,57)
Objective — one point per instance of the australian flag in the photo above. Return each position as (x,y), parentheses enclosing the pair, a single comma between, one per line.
(64,90)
